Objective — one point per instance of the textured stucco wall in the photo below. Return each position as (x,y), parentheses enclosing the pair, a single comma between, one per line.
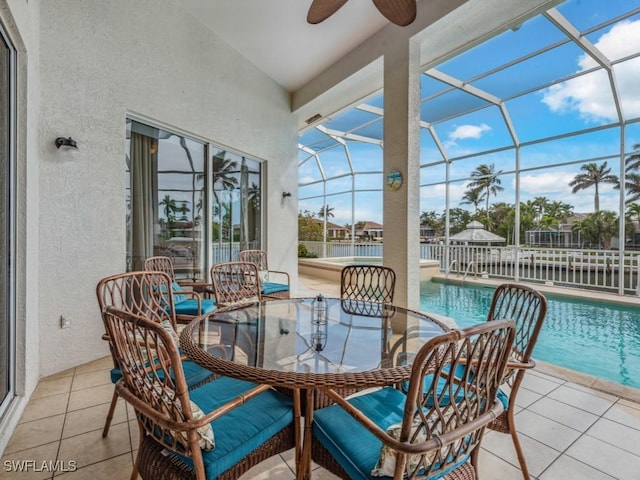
(99,61)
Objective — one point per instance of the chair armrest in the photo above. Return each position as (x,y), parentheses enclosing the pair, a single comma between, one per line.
(189,293)
(279,272)
(515,365)
(149,411)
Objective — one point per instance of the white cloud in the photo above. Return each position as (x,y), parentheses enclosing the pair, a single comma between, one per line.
(463,132)
(434,197)
(590,95)
(307,179)
(546,183)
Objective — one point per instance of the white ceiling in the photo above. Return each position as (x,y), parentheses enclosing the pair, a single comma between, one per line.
(331,65)
(274,34)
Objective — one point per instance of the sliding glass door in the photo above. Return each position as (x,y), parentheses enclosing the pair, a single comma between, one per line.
(188,200)
(7,222)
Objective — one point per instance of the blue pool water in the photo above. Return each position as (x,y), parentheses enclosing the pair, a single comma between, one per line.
(597,338)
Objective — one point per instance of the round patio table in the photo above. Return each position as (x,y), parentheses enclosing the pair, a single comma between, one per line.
(349,346)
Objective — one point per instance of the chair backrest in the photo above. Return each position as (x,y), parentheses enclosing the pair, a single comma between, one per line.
(374,283)
(528,308)
(454,381)
(235,282)
(141,293)
(259,257)
(160,264)
(154,381)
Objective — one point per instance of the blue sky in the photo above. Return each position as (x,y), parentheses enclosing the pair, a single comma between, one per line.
(537,107)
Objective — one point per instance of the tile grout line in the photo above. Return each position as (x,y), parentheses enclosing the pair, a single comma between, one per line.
(64,421)
(565,452)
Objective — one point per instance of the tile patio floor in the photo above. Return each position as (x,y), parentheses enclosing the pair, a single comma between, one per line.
(569,431)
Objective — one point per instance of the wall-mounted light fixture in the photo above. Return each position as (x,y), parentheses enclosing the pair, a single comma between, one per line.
(66,143)
(286,194)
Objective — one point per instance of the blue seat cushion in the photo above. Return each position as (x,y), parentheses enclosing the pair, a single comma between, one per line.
(350,443)
(243,429)
(190,306)
(504,399)
(271,287)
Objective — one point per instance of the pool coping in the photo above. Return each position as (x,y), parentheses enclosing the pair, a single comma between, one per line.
(571,292)
(586,380)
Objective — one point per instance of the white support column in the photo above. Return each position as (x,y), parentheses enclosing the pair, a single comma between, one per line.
(401,208)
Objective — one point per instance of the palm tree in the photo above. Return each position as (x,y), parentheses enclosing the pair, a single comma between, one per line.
(486,179)
(473,196)
(540,205)
(559,210)
(633,211)
(598,228)
(593,175)
(325,211)
(458,220)
(633,217)
(632,185)
(170,207)
(503,219)
(632,175)
(224,171)
(632,162)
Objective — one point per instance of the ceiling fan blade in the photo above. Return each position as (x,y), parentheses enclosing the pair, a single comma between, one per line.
(400,12)
(323,9)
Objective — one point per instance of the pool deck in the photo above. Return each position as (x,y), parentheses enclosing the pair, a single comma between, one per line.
(571,426)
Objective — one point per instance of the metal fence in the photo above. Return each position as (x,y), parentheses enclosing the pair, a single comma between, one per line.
(605,270)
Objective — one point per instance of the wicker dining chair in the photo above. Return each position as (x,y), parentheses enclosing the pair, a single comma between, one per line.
(148,294)
(235,283)
(433,430)
(528,308)
(270,289)
(204,433)
(373,283)
(187,304)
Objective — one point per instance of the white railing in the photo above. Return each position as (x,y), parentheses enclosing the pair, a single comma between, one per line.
(339,249)
(608,270)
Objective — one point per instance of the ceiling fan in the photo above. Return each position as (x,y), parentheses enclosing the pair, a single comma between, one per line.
(400,12)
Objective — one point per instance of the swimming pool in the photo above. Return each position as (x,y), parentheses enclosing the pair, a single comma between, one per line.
(597,338)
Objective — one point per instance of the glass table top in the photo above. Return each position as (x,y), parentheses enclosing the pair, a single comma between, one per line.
(286,336)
